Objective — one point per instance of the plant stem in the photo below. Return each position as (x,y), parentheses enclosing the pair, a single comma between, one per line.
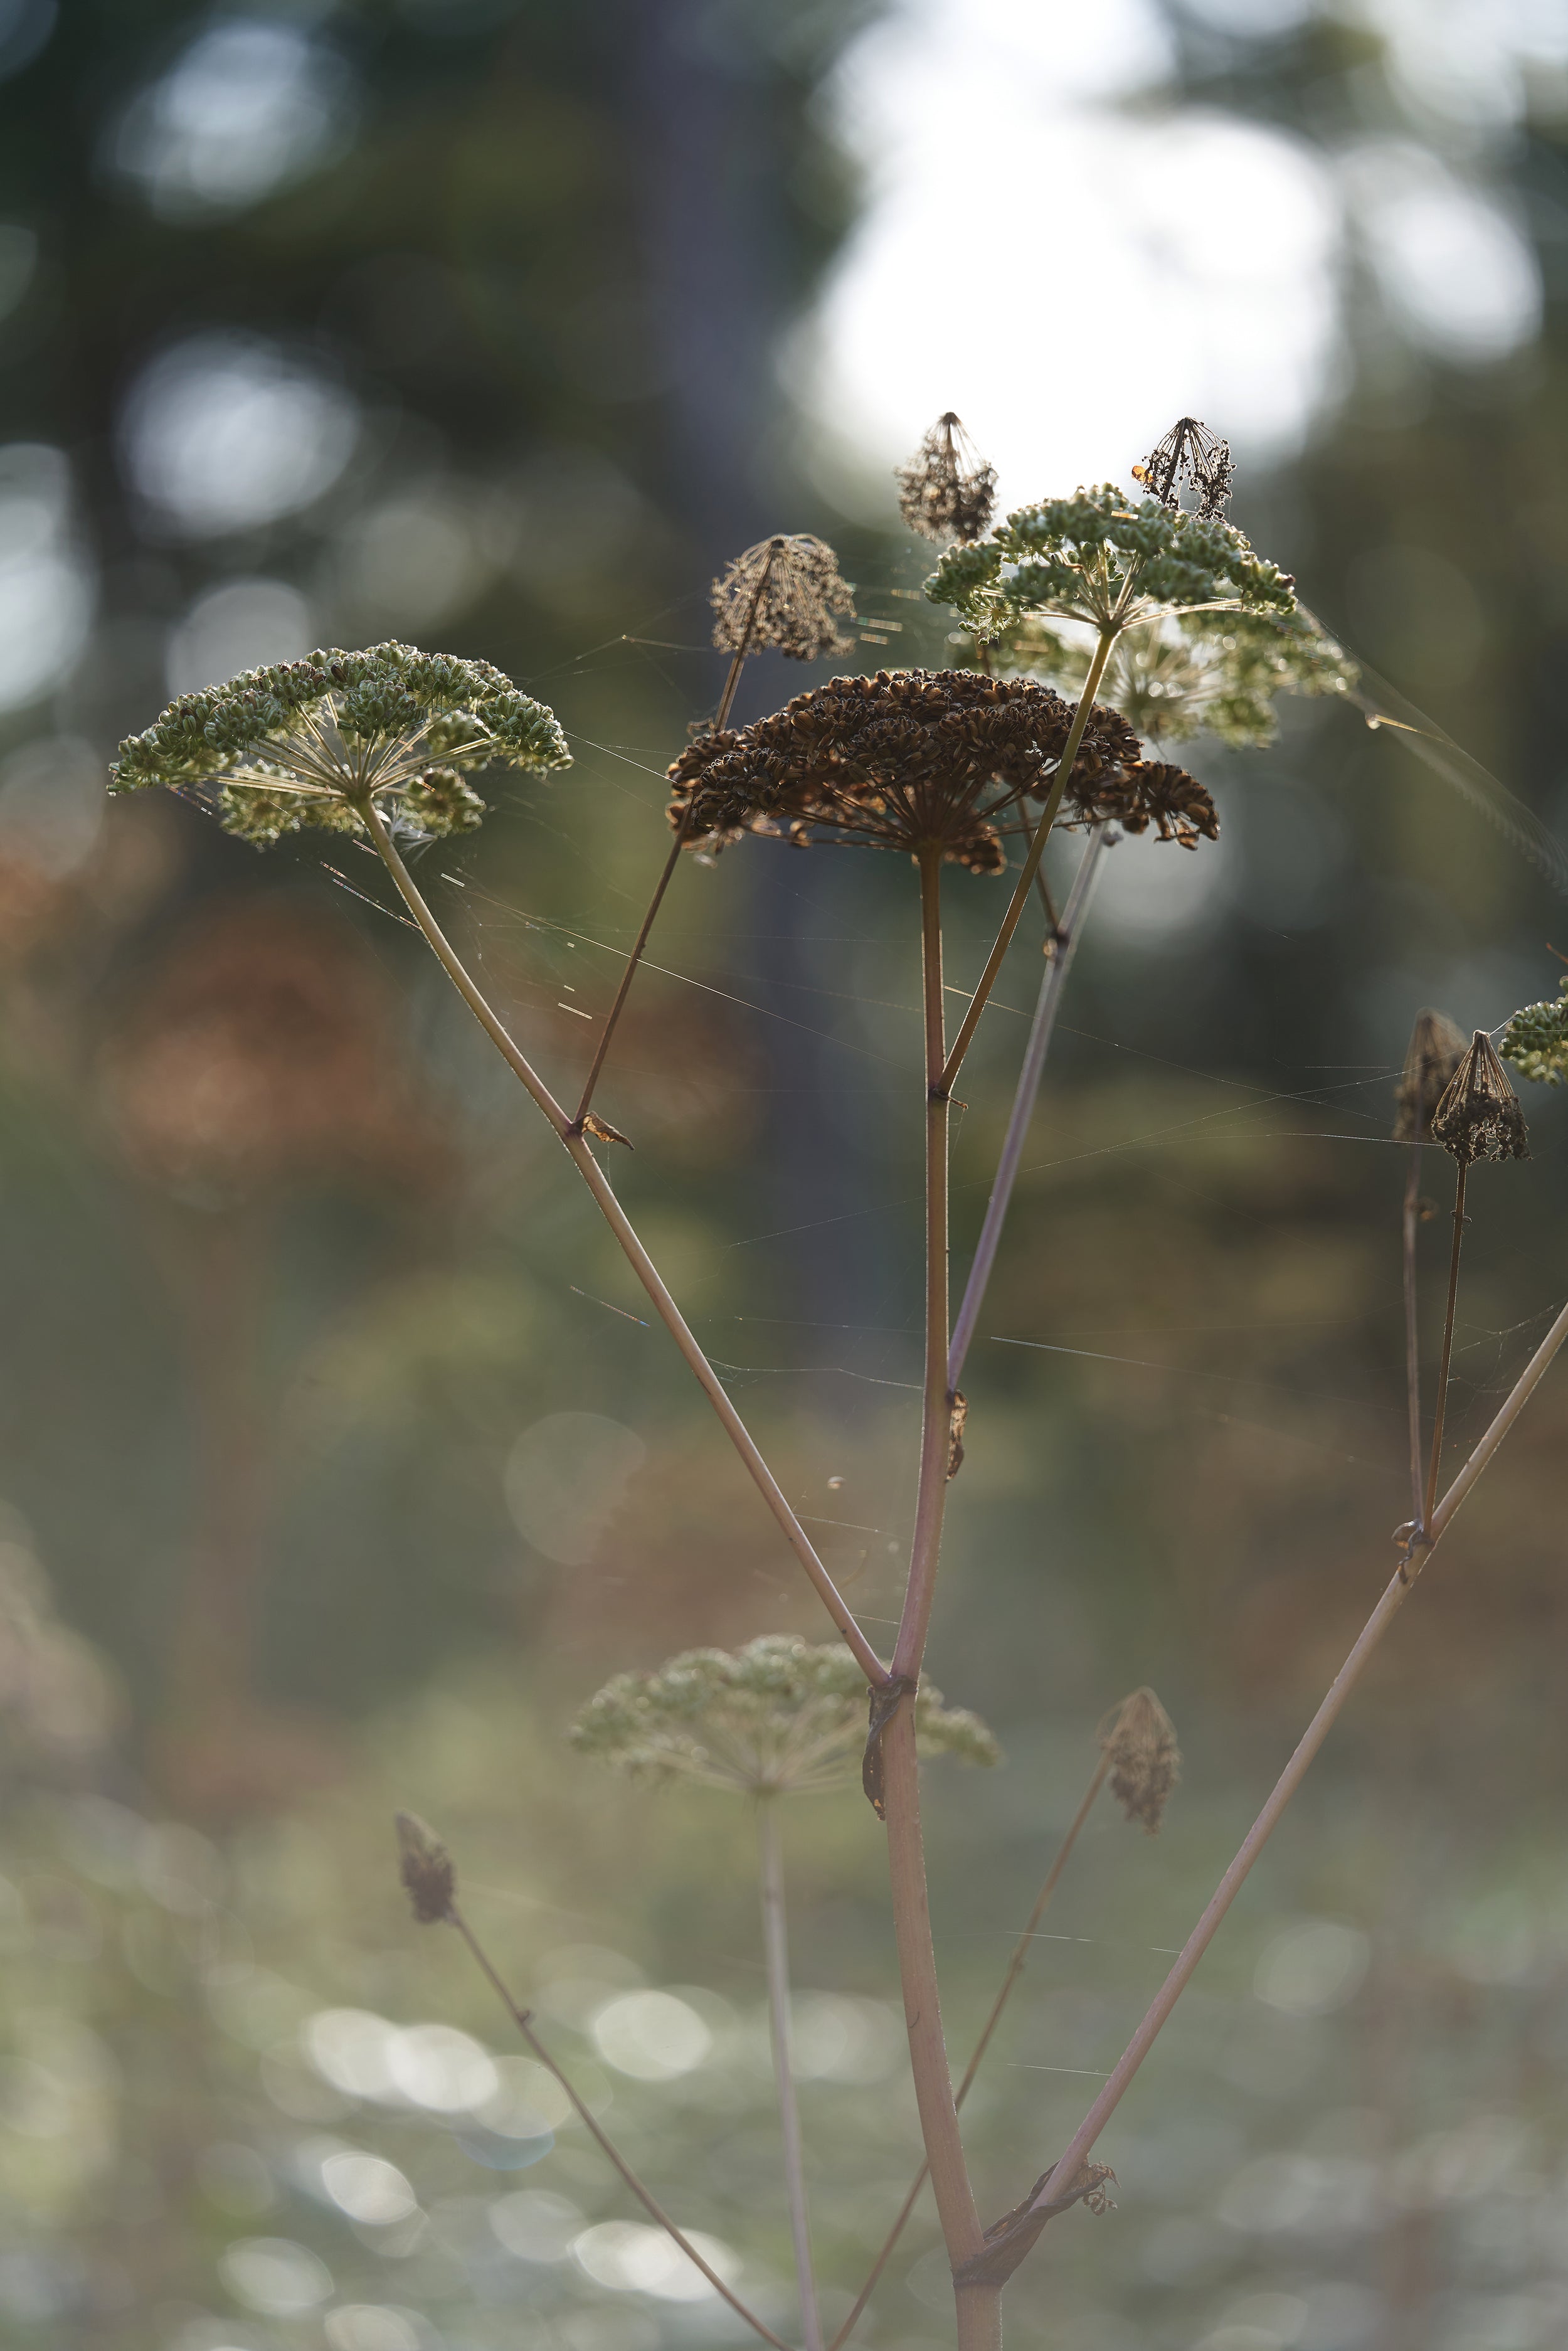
(955,2206)
(647,1273)
(936,1421)
(1015,1968)
(1413,1339)
(906,1847)
(612,1016)
(725,703)
(775,1944)
(1059,962)
(1025,883)
(1433,1464)
(655,2211)
(1393,1597)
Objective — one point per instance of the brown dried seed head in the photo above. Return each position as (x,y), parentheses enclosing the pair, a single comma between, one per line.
(1154,792)
(947,490)
(426,1868)
(1435,1050)
(909,759)
(1479,1117)
(1145,1761)
(785,592)
(1191,453)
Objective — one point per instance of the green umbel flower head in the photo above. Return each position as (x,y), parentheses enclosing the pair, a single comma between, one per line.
(1112,560)
(1536,1041)
(777,1717)
(1204,674)
(314,742)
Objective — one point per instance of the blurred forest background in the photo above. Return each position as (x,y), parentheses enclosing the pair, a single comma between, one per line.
(338,1467)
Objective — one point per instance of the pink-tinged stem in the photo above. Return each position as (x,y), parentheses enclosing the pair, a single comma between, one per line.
(955,2205)
(1083,2139)
(1060,952)
(642,1265)
(1014,1969)
(776,1951)
(654,2209)
(1440,1414)
(1413,1334)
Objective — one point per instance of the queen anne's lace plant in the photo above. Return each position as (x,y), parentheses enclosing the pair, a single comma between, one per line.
(1536,1040)
(1205,673)
(778,1717)
(1113,561)
(319,741)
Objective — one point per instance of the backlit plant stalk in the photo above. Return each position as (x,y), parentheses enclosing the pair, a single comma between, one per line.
(1436,1050)
(785,592)
(775,1718)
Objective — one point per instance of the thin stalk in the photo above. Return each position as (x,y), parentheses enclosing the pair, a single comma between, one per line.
(1025,883)
(1413,1339)
(1433,1464)
(937,1424)
(1060,952)
(725,703)
(655,2210)
(642,1265)
(1389,1606)
(906,1847)
(775,1948)
(1015,1968)
(612,1016)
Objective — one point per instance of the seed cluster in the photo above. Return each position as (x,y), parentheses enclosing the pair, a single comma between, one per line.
(785,592)
(947,491)
(1479,1117)
(920,759)
(1145,1761)
(310,742)
(1189,452)
(425,1867)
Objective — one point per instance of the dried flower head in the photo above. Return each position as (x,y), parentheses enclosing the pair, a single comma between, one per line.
(314,742)
(1189,452)
(1479,1117)
(908,759)
(947,491)
(1207,673)
(1435,1050)
(778,1717)
(1154,793)
(783,593)
(1108,559)
(1140,1739)
(1536,1041)
(425,1867)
